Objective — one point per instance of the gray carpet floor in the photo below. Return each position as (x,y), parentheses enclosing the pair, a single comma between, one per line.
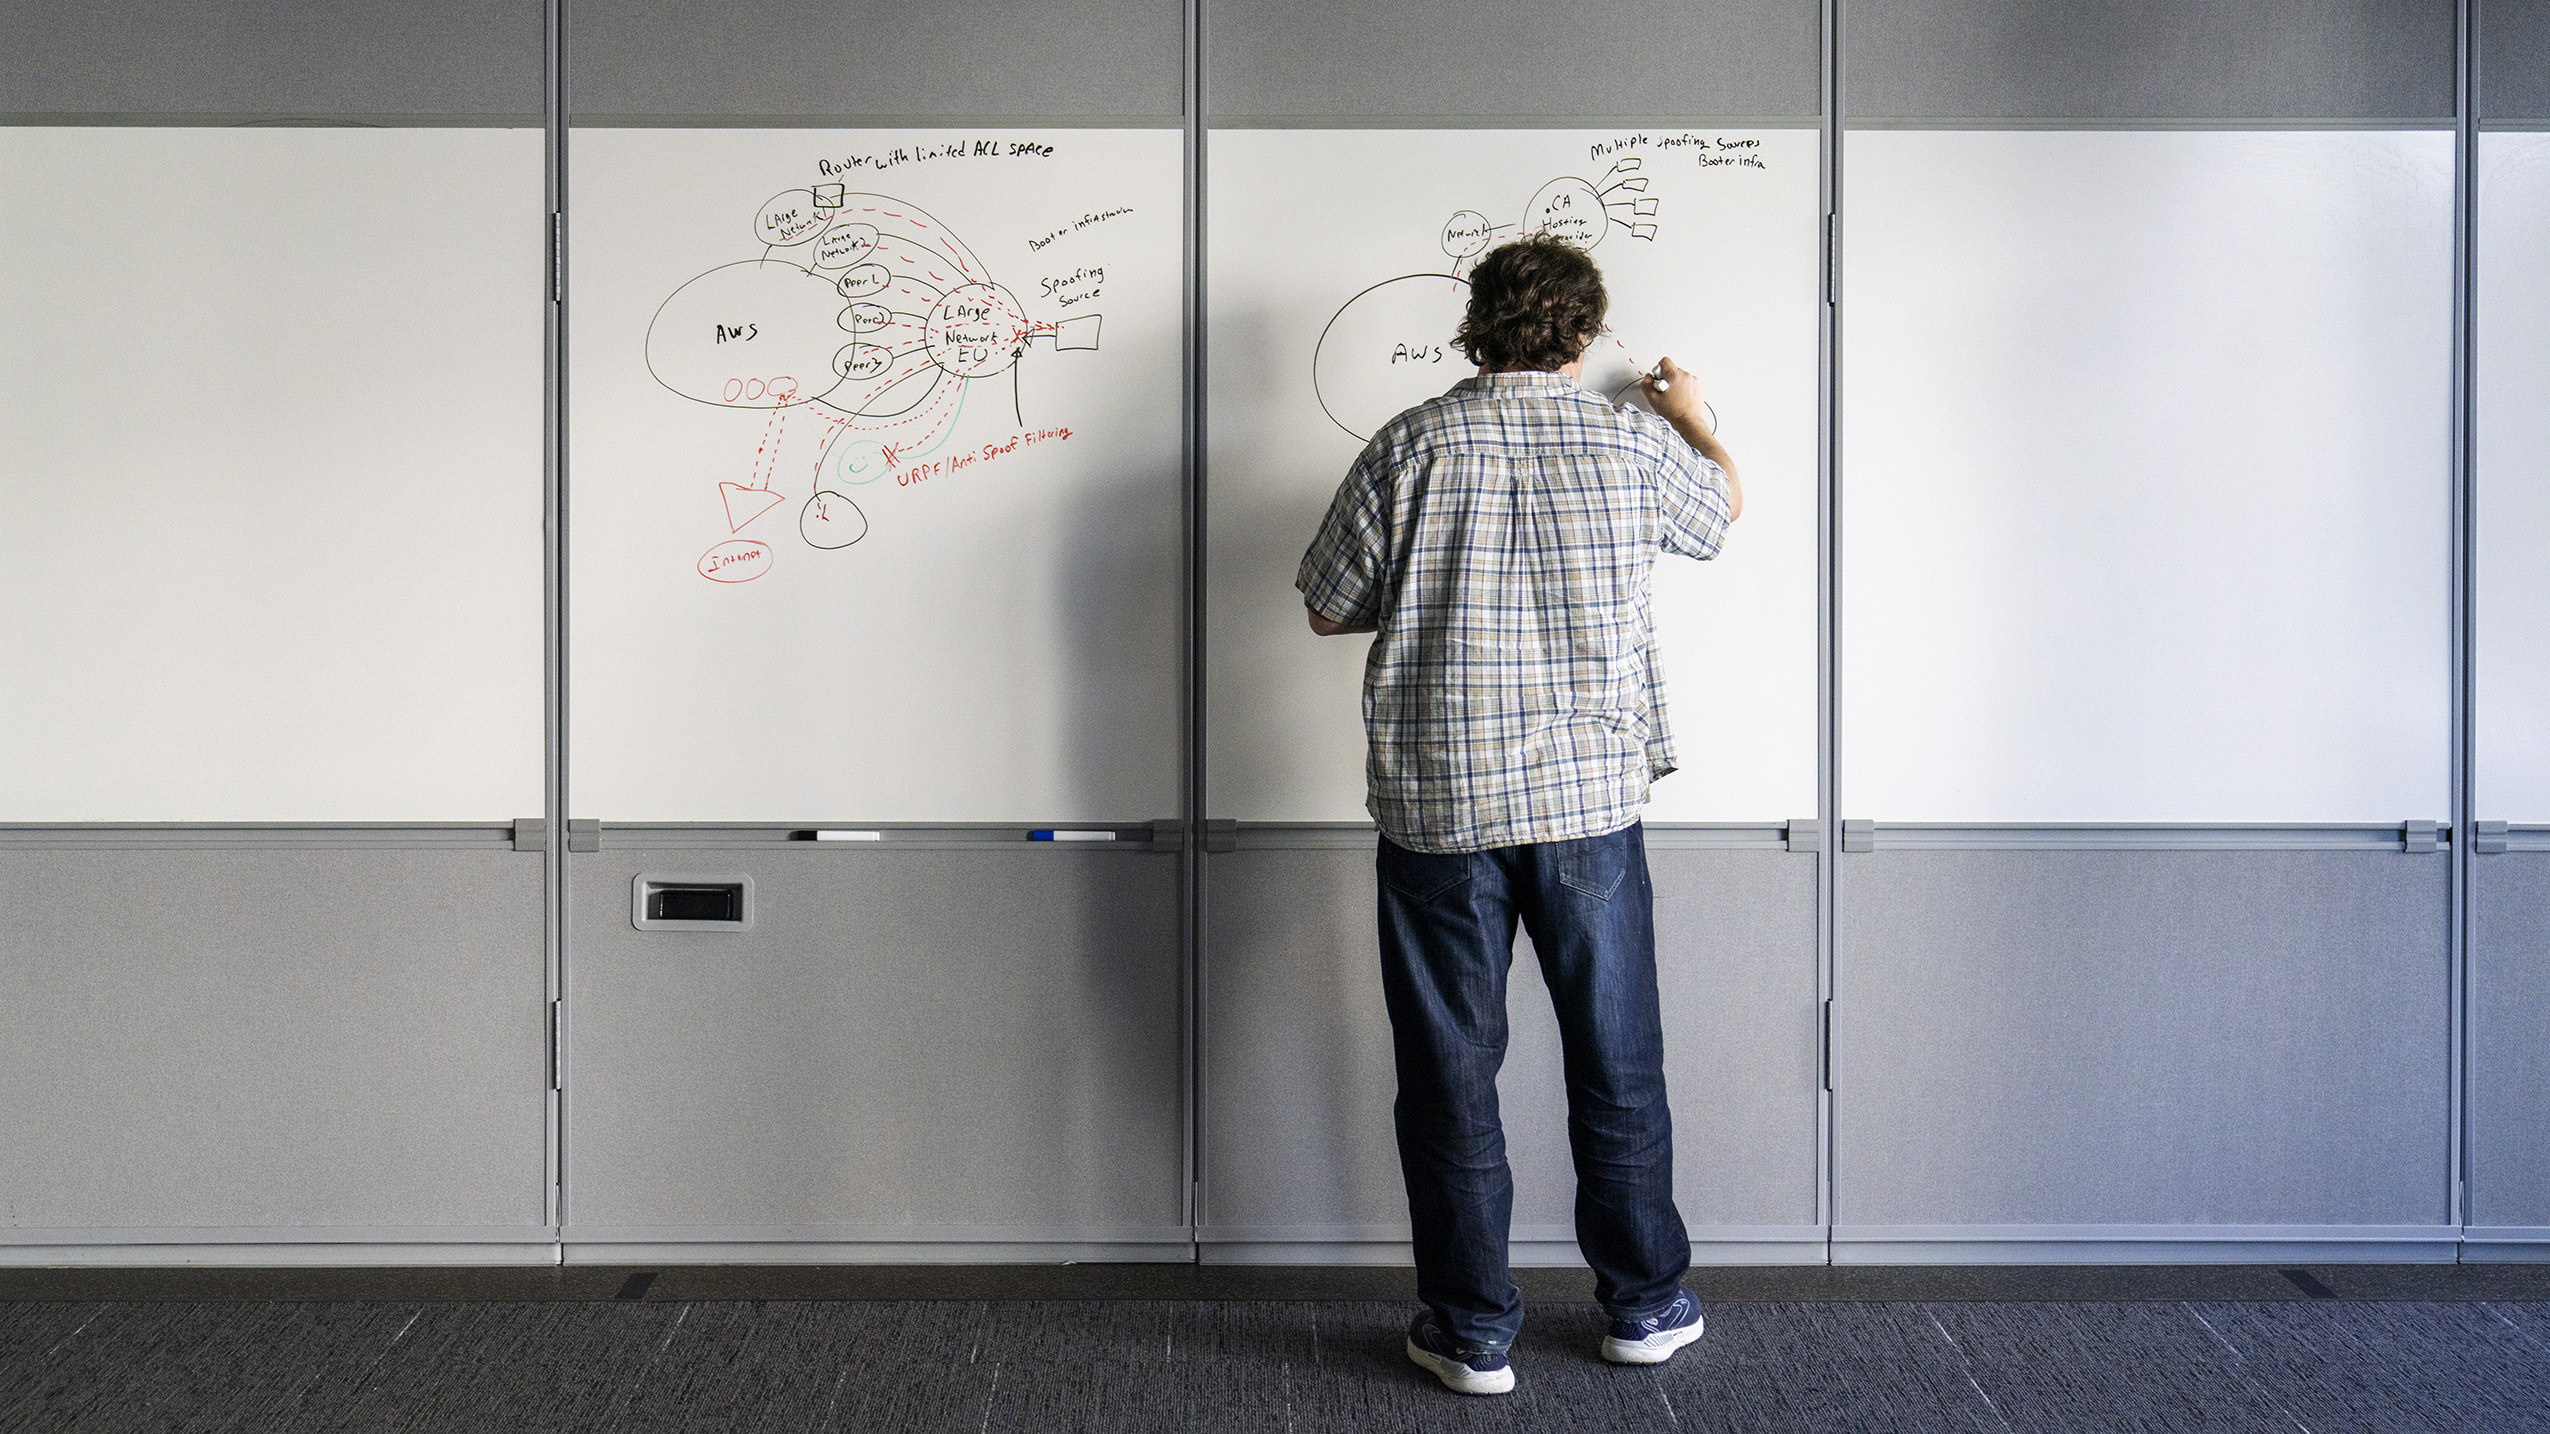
(2316,1365)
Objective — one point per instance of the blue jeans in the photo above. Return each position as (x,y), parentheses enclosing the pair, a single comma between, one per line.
(1447,941)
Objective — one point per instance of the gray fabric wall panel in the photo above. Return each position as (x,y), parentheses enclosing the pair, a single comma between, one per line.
(2514,60)
(879,57)
(1735,946)
(1297,1073)
(1296,1067)
(274,57)
(269,1038)
(906,1039)
(2510,1041)
(1413,59)
(2141,1038)
(2151,59)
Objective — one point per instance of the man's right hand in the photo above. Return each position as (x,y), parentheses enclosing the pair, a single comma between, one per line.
(1674,393)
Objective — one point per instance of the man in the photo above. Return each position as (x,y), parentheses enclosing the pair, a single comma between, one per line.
(1499,541)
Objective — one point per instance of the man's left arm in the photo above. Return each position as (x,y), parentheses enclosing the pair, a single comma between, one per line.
(1342,571)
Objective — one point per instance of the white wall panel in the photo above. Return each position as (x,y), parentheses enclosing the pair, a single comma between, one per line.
(2512,622)
(270,474)
(2146,476)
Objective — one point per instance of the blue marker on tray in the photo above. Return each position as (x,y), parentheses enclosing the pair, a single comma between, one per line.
(1064,834)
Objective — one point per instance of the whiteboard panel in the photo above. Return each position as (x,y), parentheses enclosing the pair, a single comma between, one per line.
(2146,485)
(270,415)
(2512,623)
(874,474)
(1330,252)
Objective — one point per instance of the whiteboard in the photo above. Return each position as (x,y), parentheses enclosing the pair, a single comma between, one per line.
(1331,279)
(2146,481)
(270,474)
(2512,622)
(875,474)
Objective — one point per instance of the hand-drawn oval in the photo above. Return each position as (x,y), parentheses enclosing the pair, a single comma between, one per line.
(1389,349)
(865,280)
(856,361)
(721,337)
(845,243)
(866,318)
(976,331)
(1567,208)
(790,217)
(737,560)
(1467,233)
(831,521)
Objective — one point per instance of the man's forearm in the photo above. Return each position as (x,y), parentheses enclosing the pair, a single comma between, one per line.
(1710,448)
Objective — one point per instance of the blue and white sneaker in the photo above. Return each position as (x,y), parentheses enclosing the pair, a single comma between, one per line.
(1463,1368)
(1654,1339)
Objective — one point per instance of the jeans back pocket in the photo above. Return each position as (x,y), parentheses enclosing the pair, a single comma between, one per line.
(1594,866)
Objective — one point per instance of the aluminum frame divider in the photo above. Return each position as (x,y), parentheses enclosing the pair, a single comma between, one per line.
(2464,590)
(2146,836)
(1191,894)
(1828,612)
(251,836)
(554,560)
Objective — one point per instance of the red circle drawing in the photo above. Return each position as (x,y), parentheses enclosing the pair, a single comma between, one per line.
(737,560)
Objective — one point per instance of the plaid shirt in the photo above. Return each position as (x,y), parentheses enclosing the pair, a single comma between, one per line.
(1502,537)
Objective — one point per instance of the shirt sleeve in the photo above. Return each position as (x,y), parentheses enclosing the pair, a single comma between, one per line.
(1691,499)
(1342,576)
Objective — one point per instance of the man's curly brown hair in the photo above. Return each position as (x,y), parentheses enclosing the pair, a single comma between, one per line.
(1534,303)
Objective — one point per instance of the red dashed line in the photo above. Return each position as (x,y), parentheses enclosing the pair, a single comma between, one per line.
(933,412)
(769,445)
(833,426)
(930,411)
(940,246)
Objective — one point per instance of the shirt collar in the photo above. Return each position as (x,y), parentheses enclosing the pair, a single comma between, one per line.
(1538,382)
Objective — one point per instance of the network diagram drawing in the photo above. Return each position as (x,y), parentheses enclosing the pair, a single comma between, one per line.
(862,330)
(1386,349)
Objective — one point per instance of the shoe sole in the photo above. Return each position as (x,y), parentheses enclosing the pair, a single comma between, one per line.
(1461,1378)
(1655,1349)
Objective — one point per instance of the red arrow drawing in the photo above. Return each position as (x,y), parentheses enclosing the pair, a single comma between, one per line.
(745,504)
